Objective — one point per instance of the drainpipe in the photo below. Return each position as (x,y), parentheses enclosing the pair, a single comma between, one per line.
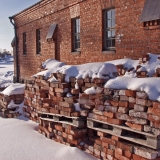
(16,79)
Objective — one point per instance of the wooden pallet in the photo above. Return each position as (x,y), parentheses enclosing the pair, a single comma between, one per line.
(59,115)
(126,133)
(79,122)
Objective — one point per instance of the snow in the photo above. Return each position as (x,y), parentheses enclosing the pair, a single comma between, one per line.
(91,90)
(77,107)
(53,79)
(21,140)
(19,107)
(150,85)
(69,95)
(94,70)
(126,62)
(52,63)
(6,73)
(14,89)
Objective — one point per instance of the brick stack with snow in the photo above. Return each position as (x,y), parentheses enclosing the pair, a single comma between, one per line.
(119,111)
(11,100)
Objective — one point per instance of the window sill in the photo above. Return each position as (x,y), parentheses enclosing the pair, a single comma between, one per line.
(24,55)
(151,27)
(76,53)
(38,54)
(109,52)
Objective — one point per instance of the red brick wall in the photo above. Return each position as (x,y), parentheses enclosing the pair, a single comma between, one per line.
(135,41)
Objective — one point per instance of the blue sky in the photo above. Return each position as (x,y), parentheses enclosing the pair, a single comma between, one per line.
(7,9)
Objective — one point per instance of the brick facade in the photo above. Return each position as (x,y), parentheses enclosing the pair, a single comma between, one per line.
(132,39)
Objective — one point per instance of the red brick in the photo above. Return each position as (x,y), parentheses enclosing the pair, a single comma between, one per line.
(135,126)
(156,105)
(120,157)
(115,103)
(128,154)
(109,114)
(123,103)
(118,151)
(108,140)
(130,93)
(115,121)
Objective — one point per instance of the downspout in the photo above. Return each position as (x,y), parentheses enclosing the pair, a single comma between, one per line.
(16,79)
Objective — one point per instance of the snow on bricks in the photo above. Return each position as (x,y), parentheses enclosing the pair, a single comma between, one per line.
(11,100)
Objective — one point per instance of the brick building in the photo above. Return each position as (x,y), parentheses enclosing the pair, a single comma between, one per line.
(81,31)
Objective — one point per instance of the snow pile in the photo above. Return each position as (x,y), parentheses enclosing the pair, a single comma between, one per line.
(21,141)
(93,70)
(150,85)
(9,59)
(14,89)
(6,73)
(51,66)
(151,65)
(52,63)
(126,62)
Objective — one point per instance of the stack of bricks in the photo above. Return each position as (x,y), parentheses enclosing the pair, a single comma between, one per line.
(118,116)
(36,97)
(110,147)
(123,107)
(64,133)
(42,96)
(153,114)
(130,116)
(5,101)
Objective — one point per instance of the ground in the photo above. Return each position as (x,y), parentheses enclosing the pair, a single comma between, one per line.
(21,141)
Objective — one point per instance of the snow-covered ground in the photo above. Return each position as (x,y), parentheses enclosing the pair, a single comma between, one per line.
(6,73)
(20,140)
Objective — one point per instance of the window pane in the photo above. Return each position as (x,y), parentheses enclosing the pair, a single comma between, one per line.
(77,37)
(77,29)
(113,33)
(109,34)
(113,42)
(109,24)
(108,43)
(77,22)
(78,45)
(113,22)
(113,13)
(109,14)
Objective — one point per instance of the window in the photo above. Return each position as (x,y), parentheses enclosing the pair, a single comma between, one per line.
(76,34)
(38,41)
(109,29)
(24,44)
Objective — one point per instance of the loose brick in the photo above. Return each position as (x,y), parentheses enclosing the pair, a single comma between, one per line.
(141,95)
(135,126)
(123,103)
(139,108)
